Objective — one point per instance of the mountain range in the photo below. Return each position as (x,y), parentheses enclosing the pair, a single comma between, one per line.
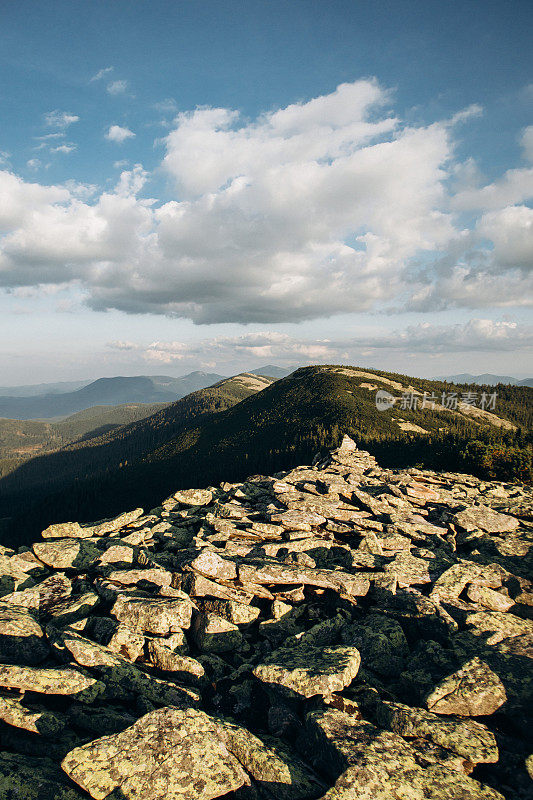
(248,425)
(487,379)
(106,391)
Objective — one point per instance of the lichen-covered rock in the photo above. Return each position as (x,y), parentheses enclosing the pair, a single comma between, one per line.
(469,739)
(485,519)
(342,589)
(490,599)
(193,497)
(472,691)
(380,641)
(159,615)
(211,564)
(67,553)
(21,637)
(61,681)
(42,596)
(380,765)
(306,671)
(72,609)
(170,753)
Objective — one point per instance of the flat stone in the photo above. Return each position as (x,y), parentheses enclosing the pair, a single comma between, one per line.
(72,609)
(134,577)
(485,519)
(67,530)
(153,615)
(116,523)
(211,565)
(170,753)
(493,601)
(473,691)
(67,554)
(237,613)
(60,681)
(21,637)
(167,659)
(451,583)
(272,764)
(307,671)
(194,497)
(298,520)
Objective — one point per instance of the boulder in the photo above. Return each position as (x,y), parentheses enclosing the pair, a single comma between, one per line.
(306,671)
(472,691)
(170,753)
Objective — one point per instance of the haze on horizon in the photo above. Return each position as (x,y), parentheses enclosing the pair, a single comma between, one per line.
(206,186)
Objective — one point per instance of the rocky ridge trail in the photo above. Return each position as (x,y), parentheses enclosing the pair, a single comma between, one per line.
(335,632)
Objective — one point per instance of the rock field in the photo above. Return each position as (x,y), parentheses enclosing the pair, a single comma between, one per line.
(338,631)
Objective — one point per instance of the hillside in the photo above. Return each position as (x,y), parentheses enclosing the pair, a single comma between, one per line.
(24,439)
(338,631)
(106,391)
(102,454)
(211,439)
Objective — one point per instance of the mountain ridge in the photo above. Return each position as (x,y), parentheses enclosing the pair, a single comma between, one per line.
(106,391)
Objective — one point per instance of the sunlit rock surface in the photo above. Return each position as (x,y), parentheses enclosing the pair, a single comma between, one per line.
(335,632)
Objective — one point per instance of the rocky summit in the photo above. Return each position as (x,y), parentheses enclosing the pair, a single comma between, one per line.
(338,631)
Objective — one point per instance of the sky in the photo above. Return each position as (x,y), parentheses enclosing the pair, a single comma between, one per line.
(202,185)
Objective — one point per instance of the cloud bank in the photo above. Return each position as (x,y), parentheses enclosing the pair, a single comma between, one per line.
(474,336)
(323,207)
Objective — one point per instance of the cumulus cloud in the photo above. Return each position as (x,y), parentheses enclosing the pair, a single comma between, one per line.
(118,134)
(117,87)
(323,207)
(60,119)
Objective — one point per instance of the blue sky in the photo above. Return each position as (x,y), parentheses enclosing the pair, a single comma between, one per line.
(183,185)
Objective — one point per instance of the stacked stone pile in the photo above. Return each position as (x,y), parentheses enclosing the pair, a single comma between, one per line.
(338,631)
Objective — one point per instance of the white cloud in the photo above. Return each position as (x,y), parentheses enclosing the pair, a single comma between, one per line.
(320,208)
(471,112)
(64,148)
(514,187)
(118,134)
(117,87)
(33,163)
(101,74)
(511,231)
(474,336)
(47,136)
(60,119)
